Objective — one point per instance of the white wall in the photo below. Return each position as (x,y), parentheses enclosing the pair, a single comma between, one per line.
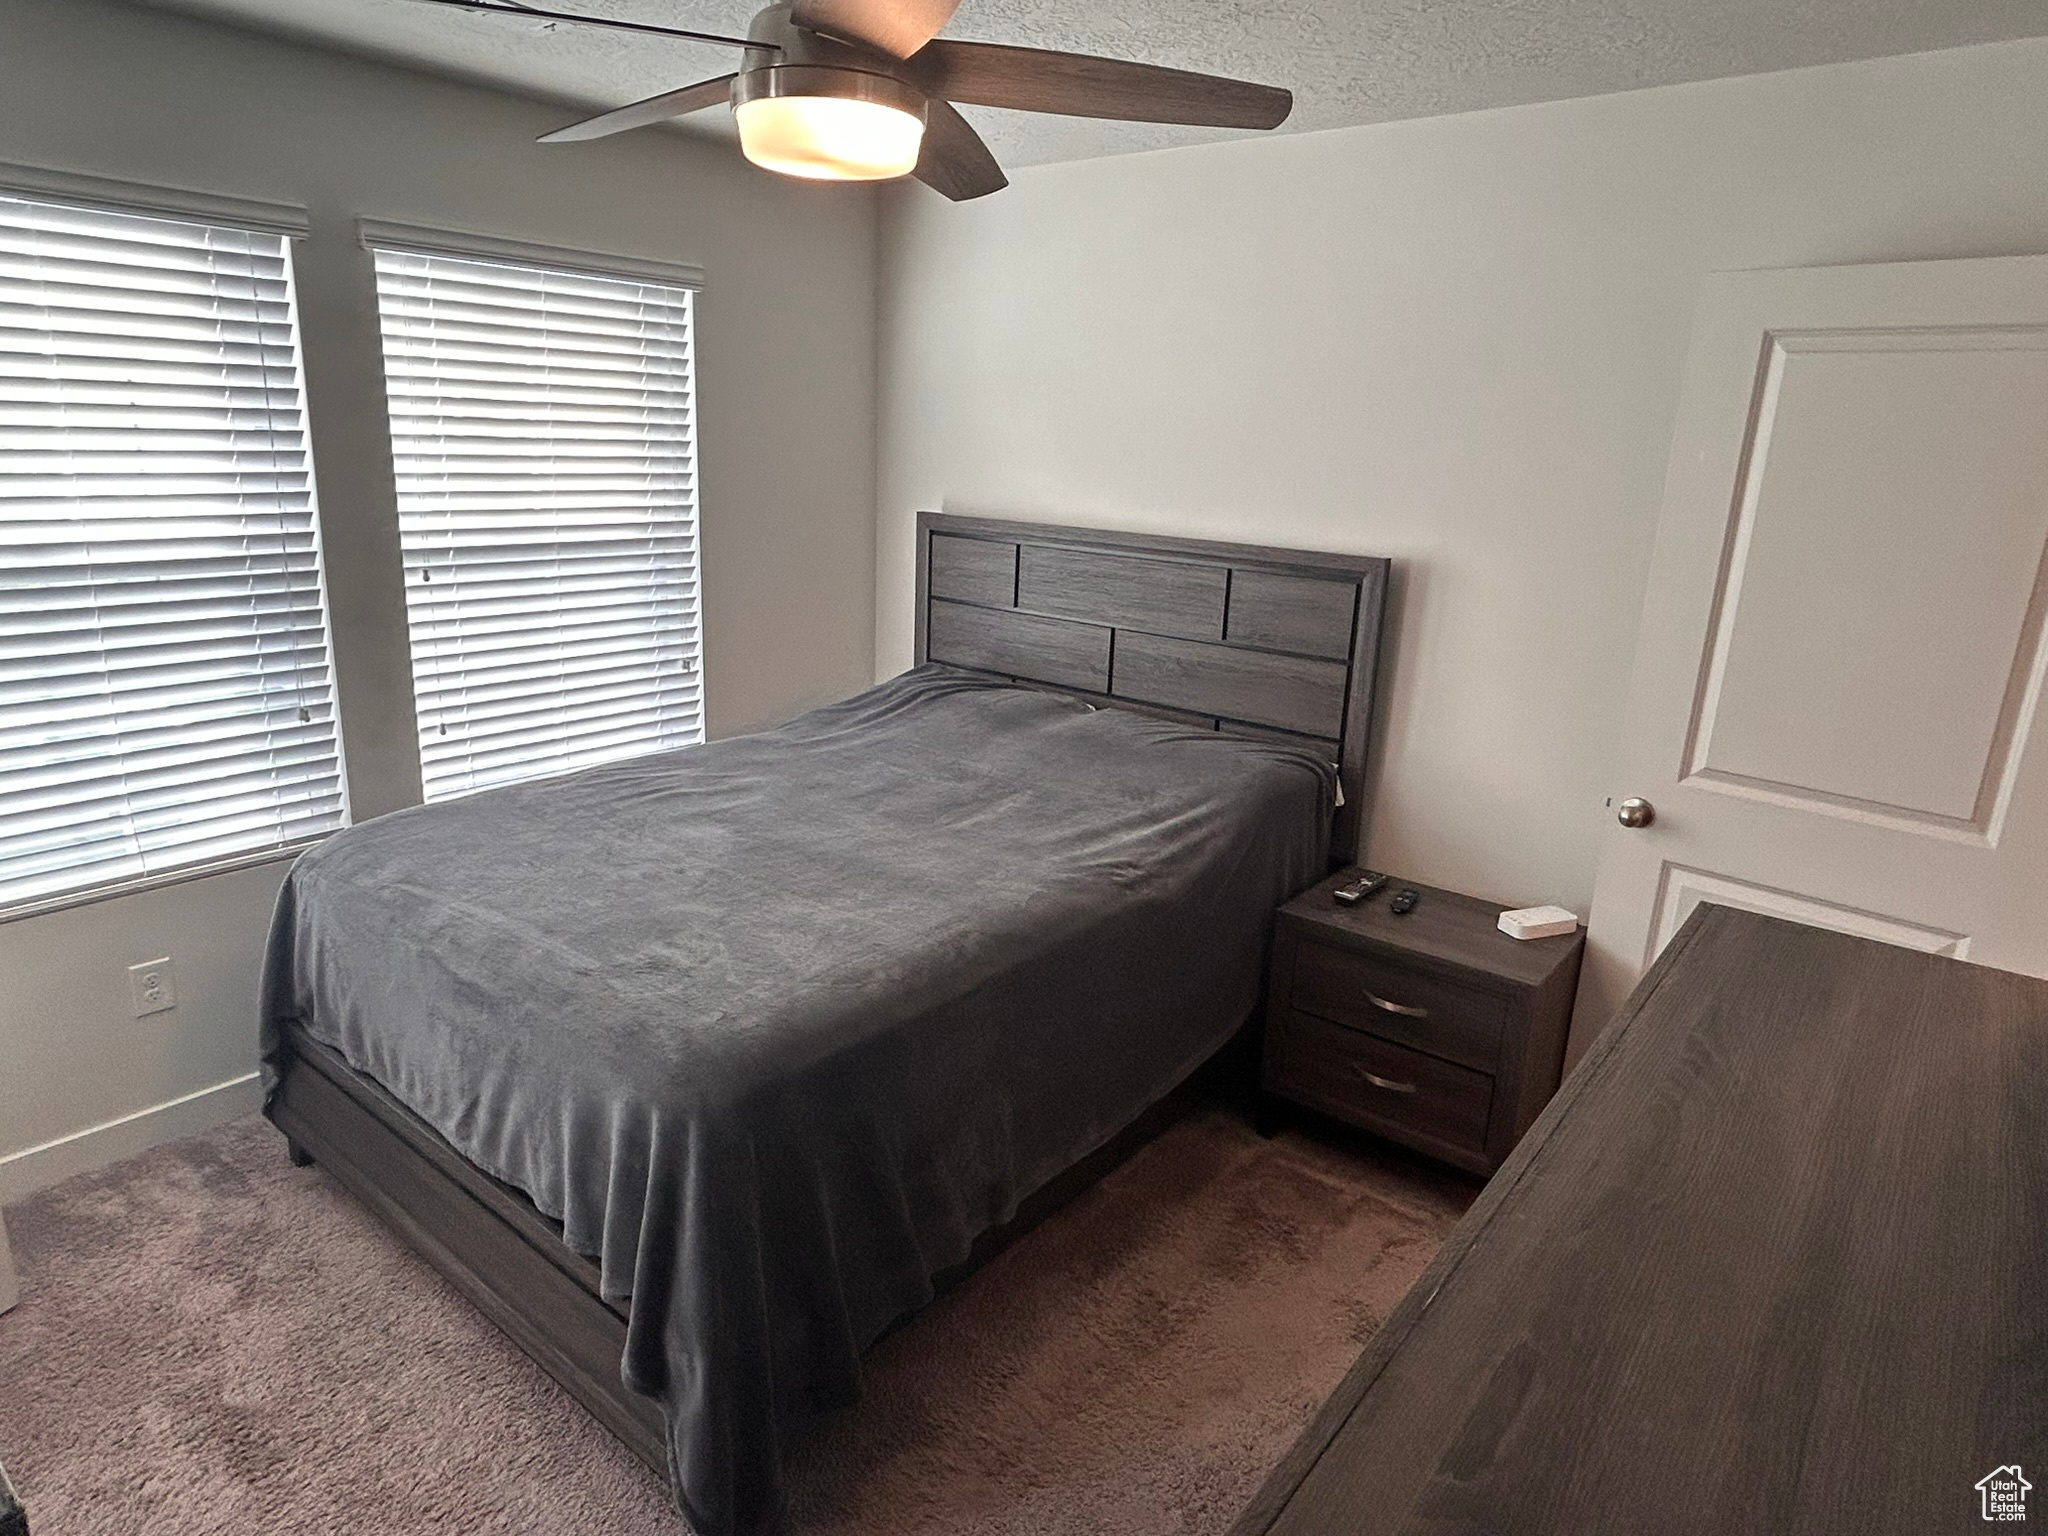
(1457,342)
(786,379)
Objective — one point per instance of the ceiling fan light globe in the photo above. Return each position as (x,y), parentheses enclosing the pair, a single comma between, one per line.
(829,138)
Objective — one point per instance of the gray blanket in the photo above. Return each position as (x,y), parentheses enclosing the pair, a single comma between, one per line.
(775,1027)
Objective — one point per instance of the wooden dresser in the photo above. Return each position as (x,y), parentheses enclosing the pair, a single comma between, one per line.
(1432,1028)
(1774,1260)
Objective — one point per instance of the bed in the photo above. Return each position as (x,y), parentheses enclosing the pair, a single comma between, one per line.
(694,1072)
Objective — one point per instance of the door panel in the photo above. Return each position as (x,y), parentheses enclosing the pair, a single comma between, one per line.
(1879,599)
(1834,701)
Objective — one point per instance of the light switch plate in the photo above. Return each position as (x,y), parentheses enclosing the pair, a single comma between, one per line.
(154,986)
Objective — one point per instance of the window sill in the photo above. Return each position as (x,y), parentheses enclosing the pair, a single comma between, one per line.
(42,906)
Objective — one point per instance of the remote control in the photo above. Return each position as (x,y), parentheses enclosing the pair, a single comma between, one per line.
(1404,903)
(1364,888)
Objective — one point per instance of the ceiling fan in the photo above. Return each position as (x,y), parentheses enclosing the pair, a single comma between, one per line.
(863,90)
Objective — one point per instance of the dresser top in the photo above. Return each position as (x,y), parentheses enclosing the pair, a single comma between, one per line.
(1458,930)
(1770,1262)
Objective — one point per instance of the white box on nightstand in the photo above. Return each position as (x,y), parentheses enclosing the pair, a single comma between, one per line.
(1538,922)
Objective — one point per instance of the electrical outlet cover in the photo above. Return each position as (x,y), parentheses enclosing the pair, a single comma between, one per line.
(154,986)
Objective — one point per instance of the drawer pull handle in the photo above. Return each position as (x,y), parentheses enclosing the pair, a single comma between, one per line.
(1390,1084)
(1403,1009)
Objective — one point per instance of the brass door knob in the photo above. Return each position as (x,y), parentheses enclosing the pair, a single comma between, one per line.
(1635,812)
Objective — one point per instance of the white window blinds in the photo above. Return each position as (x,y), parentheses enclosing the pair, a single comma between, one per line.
(543,424)
(165,700)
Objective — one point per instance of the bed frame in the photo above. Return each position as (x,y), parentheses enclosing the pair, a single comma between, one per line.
(1275,643)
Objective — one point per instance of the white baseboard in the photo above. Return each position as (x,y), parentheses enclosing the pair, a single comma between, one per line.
(33,1168)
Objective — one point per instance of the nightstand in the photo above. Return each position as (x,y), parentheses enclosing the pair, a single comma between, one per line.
(1433,1029)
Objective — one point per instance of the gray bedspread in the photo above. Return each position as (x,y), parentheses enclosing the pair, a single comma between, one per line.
(776,1026)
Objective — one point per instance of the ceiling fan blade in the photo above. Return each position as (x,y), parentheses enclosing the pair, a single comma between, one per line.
(1079,85)
(897,27)
(655,109)
(953,160)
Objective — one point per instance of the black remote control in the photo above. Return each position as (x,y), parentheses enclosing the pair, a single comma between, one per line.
(1404,902)
(1364,888)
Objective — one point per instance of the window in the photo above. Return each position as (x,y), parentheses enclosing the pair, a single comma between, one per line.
(165,701)
(543,424)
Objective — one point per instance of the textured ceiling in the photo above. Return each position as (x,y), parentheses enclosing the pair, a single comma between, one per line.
(1347,61)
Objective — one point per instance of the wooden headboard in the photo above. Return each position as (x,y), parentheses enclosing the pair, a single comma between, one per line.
(1277,643)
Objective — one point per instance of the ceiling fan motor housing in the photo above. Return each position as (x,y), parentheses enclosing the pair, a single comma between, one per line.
(794,61)
(829,80)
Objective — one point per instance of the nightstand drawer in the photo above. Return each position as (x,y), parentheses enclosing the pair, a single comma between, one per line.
(1362,1077)
(1441,1017)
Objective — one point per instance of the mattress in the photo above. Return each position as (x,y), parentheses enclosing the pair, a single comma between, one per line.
(776,1026)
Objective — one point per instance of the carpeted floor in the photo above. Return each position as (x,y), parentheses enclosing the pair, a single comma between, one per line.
(211,1341)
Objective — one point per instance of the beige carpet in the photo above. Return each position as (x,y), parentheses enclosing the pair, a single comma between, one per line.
(211,1341)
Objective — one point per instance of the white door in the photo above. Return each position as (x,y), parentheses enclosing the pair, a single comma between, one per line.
(1834,708)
